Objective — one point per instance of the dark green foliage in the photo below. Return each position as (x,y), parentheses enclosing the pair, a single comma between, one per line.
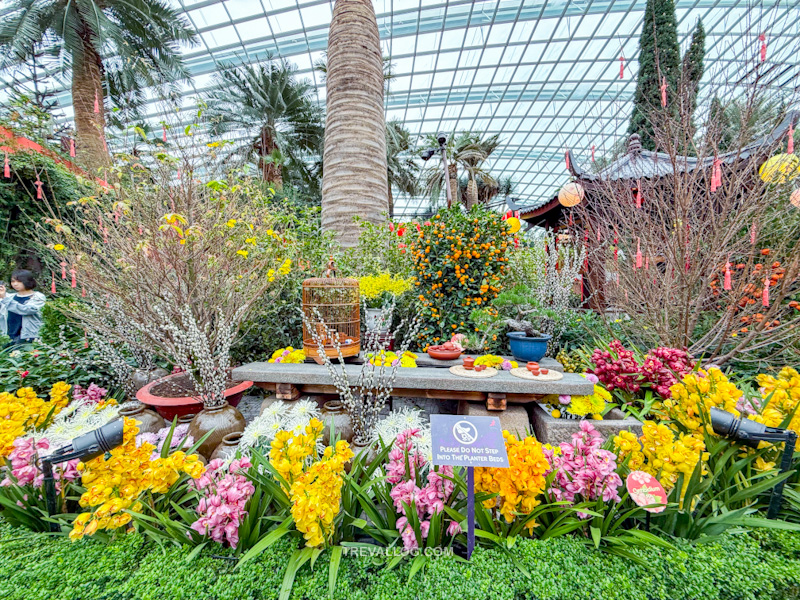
(761,566)
(20,211)
(693,65)
(659,56)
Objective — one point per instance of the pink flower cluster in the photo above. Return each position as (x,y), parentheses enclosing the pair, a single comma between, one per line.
(664,367)
(583,470)
(427,500)
(180,437)
(616,367)
(94,393)
(222,508)
(25,468)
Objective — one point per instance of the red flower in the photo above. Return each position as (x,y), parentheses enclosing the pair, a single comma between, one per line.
(24,374)
(391,227)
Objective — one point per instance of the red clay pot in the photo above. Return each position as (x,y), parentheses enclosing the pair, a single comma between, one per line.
(169,408)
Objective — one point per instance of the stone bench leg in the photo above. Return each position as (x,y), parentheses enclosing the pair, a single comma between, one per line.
(514,419)
(496,402)
(286,391)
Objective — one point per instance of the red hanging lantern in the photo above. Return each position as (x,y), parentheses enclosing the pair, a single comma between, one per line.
(63,269)
(638,198)
(622,67)
(664,92)
(52,282)
(73,272)
(763,39)
(72,147)
(718,171)
(6,167)
(765,293)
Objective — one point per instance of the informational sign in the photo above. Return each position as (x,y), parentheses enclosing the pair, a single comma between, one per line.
(463,441)
(646,490)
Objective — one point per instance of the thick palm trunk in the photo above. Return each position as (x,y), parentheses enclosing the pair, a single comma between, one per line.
(452,171)
(87,84)
(354,180)
(270,172)
(472,192)
(391,202)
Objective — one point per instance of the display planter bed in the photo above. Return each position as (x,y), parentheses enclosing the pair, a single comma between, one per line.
(550,430)
(162,395)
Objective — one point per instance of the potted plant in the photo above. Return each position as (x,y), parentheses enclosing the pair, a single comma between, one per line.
(378,291)
(182,264)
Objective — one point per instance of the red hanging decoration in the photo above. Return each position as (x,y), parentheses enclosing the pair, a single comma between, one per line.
(6,168)
(567,156)
(664,92)
(616,276)
(638,198)
(72,147)
(727,284)
(63,269)
(592,152)
(763,39)
(790,143)
(52,282)
(38,185)
(714,176)
(582,296)
(83,292)
(647,262)
(616,249)
(96,103)
(622,67)
(164,134)
(718,172)
(598,234)
(73,272)
(765,293)
(753,232)
(638,254)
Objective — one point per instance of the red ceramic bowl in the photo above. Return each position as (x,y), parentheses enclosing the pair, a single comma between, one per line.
(441,354)
(169,408)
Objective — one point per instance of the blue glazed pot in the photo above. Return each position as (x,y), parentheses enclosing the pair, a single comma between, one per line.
(527,348)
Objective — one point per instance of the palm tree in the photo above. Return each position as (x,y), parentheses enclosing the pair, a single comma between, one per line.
(469,152)
(139,36)
(278,113)
(402,169)
(354,179)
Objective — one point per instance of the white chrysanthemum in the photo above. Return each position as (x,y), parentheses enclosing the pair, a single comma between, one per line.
(305,410)
(276,410)
(81,418)
(261,428)
(398,421)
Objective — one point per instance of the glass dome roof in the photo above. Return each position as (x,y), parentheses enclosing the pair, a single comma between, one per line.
(545,75)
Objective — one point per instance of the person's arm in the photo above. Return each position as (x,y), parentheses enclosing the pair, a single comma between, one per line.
(31,307)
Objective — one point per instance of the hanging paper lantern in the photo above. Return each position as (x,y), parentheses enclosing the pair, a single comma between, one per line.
(794,199)
(571,194)
(779,168)
(514,224)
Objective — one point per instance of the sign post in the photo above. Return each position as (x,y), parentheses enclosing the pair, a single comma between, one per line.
(463,441)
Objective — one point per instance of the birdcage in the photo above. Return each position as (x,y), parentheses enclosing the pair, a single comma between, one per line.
(331,306)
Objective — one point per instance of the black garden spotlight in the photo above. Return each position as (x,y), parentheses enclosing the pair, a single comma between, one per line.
(85,447)
(751,433)
(428,153)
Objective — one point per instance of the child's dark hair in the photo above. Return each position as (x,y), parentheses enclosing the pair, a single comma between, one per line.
(25,277)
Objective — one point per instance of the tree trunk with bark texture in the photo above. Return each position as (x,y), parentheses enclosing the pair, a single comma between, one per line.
(87,83)
(472,193)
(355,180)
(391,202)
(270,172)
(452,171)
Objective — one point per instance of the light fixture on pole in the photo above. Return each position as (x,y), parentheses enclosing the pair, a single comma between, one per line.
(428,153)
(751,433)
(85,447)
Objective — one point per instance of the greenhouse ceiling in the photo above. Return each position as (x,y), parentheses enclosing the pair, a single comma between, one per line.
(545,75)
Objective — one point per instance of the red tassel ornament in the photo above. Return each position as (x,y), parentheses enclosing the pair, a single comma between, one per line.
(763,39)
(6,167)
(622,67)
(164,134)
(566,154)
(592,152)
(73,272)
(753,233)
(52,282)
(647,262)
(790,143)
(638,254)
(664,92)
(765,293)
(638,198)
(83,292)
(63,269)
(38,185)
(72,147)
(616,249)
(727,283)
